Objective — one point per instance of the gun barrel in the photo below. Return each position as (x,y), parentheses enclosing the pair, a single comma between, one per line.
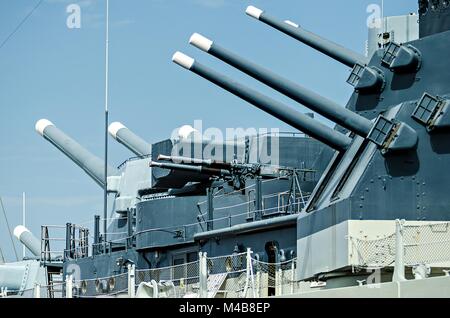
(189,160)
(333,50)
(327,108)
(129,139)
(28,239)
(296,119)
(90,163)
(189,168)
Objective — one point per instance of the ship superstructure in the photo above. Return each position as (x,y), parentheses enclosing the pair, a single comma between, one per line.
(340,208)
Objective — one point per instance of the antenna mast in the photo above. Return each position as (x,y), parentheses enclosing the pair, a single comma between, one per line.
(105,193)
(23,221)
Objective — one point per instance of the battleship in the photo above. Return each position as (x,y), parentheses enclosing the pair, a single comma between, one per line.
(358,210)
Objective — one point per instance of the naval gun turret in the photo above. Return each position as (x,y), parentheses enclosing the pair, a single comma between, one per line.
(397,123)
(395,136)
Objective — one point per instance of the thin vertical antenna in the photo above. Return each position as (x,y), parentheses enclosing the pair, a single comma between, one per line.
(382,16)
(105,193)
(23,221)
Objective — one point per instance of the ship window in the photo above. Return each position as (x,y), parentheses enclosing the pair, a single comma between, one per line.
(355,76)
(426,108)
(380,131)
(390,53)
(191,257)
(178,261)
(283,201)
(178,269)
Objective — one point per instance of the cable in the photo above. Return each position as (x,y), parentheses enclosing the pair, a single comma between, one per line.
(9,229)
(21,23)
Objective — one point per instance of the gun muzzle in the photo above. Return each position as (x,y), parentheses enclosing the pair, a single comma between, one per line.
(129,139)
(327,108)
(28,239)
(292,117)
(333,50)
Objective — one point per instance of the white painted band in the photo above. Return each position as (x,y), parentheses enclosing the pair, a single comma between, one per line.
(114,128)
(41,125)
(200,42)
(183,60)
(19,230)
(253,12)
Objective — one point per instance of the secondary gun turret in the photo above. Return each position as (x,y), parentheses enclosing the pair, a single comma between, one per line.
(394,136)
(333,50)
(129,139)
(90,163)
(296,119)
(231,171)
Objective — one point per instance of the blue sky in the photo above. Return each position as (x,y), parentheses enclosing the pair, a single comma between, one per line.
(50,71)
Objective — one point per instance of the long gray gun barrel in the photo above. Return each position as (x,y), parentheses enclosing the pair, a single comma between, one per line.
(327,108)
(90,163)
(296,119)
(28,239)
(188,168)
(327,47)
(188,160)
(129,139)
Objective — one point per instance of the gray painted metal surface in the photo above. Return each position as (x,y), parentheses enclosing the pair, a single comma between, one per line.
(172,216)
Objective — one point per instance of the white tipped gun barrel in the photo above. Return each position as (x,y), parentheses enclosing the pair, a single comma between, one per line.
(327,47)
(327,108)
(28,239)
(91,164)
(292,117)
(129,139)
